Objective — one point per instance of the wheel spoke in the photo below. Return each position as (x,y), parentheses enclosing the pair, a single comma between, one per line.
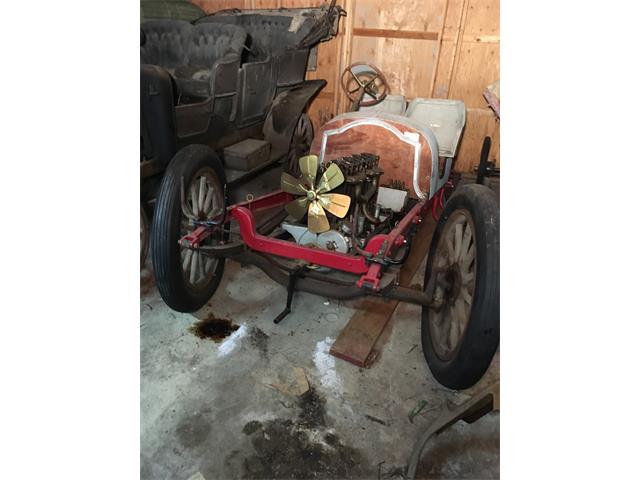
(187,259)
(466,296)
(461,319)
(201,193)
(458,242)
(450,249)
(208,264)
(208,202)
(466,240)
(451,331)
(194,200)
(194,268)
(201,268)
(467,277)
(465,264)
(357,79)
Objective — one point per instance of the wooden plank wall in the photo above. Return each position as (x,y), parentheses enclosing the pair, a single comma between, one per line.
(426,48)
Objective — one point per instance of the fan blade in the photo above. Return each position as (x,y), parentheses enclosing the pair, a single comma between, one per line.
(331,178)
(309,169)
(291,184)
(336,203)
(318,222)
(297,208)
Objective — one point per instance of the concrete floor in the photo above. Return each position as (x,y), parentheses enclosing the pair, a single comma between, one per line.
(209,410)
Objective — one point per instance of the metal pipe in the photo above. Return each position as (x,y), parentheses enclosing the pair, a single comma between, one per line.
(327,287)
(368,215)
(354,239)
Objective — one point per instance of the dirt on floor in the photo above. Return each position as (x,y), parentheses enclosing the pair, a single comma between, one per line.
(301,448)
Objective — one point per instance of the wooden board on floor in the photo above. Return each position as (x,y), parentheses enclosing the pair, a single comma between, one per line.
(358,338)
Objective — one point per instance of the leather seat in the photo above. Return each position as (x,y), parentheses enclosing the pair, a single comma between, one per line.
(165,42)
(192,53)
(207,45)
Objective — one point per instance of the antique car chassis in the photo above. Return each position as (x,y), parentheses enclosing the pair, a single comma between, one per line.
(368,265)
(460,295)
(255,248)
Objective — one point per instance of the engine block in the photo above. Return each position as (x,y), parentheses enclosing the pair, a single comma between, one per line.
(362,177)
(357,168)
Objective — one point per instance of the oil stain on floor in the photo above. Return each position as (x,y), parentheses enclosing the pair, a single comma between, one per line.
(301,448)
(216,329)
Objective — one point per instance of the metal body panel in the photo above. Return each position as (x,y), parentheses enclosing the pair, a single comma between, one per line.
(157,116)
(420,169)
(445,118)
(284,113)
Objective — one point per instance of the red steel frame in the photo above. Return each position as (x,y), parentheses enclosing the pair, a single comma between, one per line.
(379,246)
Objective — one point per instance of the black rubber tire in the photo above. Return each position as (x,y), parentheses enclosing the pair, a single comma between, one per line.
(480,340)
(165,251)
(144,239)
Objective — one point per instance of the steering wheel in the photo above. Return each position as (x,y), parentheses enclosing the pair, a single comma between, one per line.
(363,78)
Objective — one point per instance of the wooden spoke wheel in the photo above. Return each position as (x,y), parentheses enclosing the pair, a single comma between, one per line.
(300,143)
(461,335)
(204,200)
(187,277)
(455,271)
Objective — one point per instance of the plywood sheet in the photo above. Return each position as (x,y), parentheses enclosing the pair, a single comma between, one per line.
(399,14)
(483,18)
(477,67)
(441,86)
(328,57)
(406,63)
(210,6)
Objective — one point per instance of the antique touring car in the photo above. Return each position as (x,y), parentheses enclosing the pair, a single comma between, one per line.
(233,80)
(342,225)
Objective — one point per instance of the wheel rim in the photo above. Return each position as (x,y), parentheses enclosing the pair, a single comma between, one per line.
(455,278)
(300,143)
(204,200)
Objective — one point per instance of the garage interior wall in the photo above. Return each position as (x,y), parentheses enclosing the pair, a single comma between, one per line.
(425,48)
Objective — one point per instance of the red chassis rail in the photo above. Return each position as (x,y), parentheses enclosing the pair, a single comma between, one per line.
(379,247)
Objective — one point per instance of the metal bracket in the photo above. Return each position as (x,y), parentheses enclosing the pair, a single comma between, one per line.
(479,405)
(291,287)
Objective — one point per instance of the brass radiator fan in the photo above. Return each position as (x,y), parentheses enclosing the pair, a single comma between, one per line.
(314,197)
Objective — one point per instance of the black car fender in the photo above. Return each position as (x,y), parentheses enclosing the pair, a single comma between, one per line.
(284,113)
